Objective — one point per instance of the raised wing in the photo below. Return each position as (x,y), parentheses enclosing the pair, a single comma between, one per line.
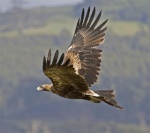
(61,74)
(83,52)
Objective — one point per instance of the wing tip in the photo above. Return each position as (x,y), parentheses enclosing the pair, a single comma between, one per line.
(55,58)
(47,61)
(61,59)
(66,63)
(44,63)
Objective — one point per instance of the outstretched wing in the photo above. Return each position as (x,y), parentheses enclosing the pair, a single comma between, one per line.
(61,74)
(83,52)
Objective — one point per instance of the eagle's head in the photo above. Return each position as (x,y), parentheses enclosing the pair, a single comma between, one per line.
(45,87)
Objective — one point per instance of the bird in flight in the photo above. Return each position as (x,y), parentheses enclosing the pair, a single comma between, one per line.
(73,73)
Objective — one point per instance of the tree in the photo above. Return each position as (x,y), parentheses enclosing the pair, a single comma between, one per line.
(17,8)
(18,4)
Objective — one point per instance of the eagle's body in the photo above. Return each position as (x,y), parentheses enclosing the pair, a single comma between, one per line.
(75,71)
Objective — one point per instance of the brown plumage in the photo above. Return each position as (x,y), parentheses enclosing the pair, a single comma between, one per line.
(75,71)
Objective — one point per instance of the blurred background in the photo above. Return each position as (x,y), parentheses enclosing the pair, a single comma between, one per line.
(28,28)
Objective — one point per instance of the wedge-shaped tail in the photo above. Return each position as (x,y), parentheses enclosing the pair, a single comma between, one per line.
(108,96)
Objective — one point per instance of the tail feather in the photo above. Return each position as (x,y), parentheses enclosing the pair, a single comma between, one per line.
(107,96)
(108,93)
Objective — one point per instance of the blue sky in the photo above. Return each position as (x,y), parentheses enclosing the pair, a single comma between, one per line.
(5,4)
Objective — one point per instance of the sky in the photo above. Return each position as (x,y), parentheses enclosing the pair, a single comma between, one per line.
(5,4)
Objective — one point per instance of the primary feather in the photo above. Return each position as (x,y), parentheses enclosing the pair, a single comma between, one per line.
(83,51)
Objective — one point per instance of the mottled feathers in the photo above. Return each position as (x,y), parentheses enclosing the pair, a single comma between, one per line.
(83,52)
(62,74)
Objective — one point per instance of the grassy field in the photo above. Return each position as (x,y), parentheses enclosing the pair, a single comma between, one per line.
(126,28)
(59,23)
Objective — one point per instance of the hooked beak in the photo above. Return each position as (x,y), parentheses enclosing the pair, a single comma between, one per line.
(39,88)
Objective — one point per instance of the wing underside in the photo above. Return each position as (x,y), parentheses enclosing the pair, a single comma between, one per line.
(83,51)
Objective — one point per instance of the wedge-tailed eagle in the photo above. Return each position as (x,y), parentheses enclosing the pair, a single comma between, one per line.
(75,71)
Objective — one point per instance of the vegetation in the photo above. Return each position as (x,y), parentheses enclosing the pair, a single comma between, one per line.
(26,36)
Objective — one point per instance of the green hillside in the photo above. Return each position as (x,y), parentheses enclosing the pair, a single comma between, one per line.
(26,36)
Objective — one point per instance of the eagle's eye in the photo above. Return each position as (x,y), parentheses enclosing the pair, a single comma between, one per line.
(42,87)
